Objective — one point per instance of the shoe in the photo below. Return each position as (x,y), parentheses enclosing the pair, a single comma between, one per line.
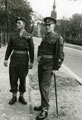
(39,108)
(22,100)
(42,115)
(13,100)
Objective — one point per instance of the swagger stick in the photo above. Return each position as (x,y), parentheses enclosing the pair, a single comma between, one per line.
(55,94)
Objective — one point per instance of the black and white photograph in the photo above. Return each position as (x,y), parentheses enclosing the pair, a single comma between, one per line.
(40,59)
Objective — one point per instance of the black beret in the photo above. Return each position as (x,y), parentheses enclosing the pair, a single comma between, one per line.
(21,18)
(49,20)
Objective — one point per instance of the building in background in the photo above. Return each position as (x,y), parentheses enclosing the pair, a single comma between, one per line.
(53,12)
(40,26)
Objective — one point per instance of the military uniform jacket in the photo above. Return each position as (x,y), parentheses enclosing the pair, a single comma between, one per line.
(48,46)
(24,43)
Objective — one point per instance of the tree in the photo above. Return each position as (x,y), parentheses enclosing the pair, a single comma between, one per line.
(71,29)
(15,8)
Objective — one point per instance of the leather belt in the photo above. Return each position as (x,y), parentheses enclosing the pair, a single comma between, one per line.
(47,56)
(20,52)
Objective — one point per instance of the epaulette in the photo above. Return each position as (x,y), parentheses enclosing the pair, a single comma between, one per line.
(26,35)
(59,37)
(55,35)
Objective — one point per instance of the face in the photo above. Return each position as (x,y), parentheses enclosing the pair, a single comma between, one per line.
(50,27)
(20,24)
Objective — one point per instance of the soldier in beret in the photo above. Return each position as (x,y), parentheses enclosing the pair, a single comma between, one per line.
(20,49)
(46,55)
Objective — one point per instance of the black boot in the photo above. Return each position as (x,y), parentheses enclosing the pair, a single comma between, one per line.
(39,108)
(13,100)
(42,115)
(22,100)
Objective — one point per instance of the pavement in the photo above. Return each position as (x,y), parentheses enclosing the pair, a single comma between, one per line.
(17,111)
(2,51)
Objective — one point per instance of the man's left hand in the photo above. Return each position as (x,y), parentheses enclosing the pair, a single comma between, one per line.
(53,72)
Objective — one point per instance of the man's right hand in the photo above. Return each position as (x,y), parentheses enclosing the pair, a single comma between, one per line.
(5,63)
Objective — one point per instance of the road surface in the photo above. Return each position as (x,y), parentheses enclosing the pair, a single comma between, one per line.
(73,60)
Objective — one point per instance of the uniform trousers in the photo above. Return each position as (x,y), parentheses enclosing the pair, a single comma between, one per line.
(45,67)
(18,70)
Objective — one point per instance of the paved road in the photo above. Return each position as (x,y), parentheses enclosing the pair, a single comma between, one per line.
(73,60)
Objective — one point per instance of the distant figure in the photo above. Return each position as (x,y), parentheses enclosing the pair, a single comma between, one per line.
(21,49)
(48,58)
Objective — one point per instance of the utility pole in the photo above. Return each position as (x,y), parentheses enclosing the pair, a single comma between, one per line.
(6,11)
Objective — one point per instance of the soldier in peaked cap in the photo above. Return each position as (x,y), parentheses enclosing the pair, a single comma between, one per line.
(21,49)
(46,55)
(49,20)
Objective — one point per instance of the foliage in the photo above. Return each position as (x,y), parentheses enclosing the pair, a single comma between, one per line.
(71,29)
(14,9)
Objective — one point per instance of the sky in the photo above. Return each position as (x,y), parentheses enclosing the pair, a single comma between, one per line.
(64,8)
